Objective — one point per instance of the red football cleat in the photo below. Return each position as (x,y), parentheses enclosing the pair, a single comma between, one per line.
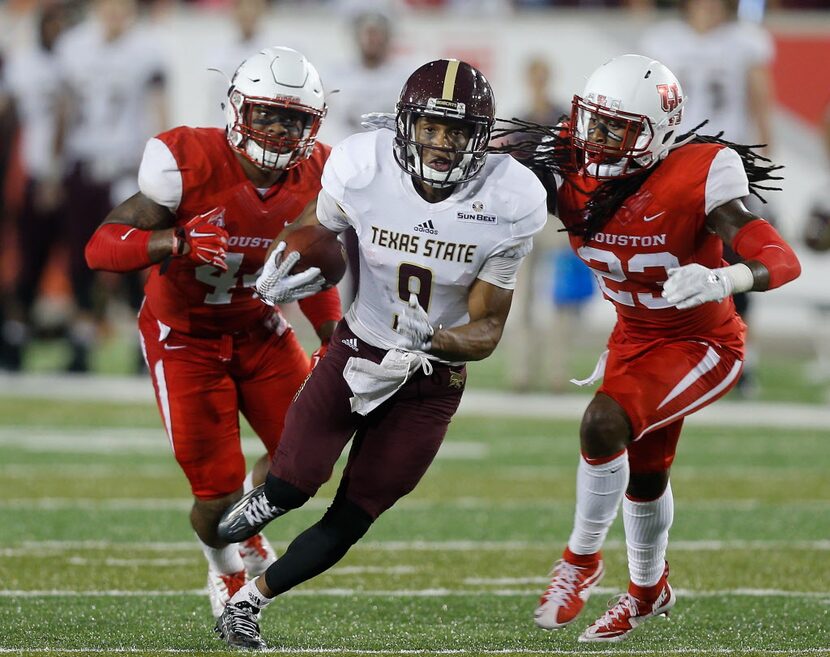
(569,589)
(629,612)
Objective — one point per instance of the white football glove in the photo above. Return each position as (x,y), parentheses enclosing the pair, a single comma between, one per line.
(414,327)
(692,285)
(378,121)
(275,286)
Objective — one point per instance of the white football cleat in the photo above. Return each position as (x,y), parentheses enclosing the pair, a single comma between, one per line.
(221,588)
(257,554)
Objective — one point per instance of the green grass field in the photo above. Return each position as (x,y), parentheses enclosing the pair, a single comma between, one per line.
(97,557)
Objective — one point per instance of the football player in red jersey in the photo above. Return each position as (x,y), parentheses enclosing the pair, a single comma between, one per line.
(210,205)
(649,211)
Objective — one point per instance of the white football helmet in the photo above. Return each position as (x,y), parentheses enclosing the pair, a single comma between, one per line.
(638,93)
(274,78)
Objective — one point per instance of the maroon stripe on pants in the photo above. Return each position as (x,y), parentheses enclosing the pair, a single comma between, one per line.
(394,445)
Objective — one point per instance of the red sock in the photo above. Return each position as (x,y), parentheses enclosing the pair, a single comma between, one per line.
(581,559)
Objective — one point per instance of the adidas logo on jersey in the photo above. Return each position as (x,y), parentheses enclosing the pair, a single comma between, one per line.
(426,227)
(351,343)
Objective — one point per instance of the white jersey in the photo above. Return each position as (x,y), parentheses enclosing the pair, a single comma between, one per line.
(362,90)
(33,80)
(436,250)
(110,81)
(713,69)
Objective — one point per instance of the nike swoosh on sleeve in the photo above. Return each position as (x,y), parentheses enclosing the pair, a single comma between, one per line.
(127,234)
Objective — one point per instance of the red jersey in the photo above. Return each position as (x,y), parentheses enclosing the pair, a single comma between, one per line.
(662,226)
(201,299)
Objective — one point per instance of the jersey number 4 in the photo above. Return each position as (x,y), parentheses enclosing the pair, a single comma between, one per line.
(616,272)
(223,282)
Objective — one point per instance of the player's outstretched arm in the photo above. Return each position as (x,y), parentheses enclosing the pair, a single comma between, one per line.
(134,235)
(140,232)
(488,306)
(769,261)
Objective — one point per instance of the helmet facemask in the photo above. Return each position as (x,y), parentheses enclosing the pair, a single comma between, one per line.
(633,107)
(465,162)
(273,82)
(265,149)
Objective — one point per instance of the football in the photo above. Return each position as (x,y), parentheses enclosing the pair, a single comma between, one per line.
(318,247)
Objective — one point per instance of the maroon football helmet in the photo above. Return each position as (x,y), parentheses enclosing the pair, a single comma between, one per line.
(450,89)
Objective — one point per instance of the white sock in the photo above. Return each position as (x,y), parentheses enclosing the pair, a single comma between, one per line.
(248,484)
(599,489)
(224,560)
(647,536)
(251,594)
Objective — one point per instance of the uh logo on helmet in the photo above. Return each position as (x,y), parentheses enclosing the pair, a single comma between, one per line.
(445,89)
(275,81)
(636,103)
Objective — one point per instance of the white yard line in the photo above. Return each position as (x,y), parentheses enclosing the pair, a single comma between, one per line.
(184,504)
(60,547)
(446,651)
(475,402)
(399,593)
(109,440)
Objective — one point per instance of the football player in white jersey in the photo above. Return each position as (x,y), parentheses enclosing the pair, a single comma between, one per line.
(442,228)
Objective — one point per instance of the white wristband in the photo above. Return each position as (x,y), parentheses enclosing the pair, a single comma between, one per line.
(740,276)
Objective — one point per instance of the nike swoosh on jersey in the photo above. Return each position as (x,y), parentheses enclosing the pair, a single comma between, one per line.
(654,216)
(173,347)
(127,234)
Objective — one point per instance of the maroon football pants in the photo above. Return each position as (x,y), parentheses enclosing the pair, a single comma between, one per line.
(393,445)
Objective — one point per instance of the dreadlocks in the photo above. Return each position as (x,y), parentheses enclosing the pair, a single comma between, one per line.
(548,151)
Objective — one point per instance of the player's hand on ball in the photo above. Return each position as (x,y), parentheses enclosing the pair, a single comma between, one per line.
(414,328)
(276,286)
(203,239)
(691,285)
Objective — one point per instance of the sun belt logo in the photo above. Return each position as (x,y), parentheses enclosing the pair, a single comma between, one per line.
(477,217)
(426,227)
(669,100)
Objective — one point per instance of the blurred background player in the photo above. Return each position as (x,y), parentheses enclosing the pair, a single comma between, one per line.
(250,35)
(369,82)
(649,209)
(395,373)
(211,203)
(114,100)
(554,287)
(816,234)
(34,88)
(724,65)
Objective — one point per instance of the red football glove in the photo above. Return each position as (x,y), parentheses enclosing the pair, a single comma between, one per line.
(318,354)
(203,239)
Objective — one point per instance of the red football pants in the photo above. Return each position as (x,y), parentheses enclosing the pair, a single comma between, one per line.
(202,384)
(661,383)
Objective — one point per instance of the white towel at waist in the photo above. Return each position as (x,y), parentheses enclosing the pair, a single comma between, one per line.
(373,383)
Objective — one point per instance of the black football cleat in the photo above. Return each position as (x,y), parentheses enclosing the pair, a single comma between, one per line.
(247,517)
(239,628)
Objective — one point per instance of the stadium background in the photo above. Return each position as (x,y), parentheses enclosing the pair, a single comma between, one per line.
(95,552)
